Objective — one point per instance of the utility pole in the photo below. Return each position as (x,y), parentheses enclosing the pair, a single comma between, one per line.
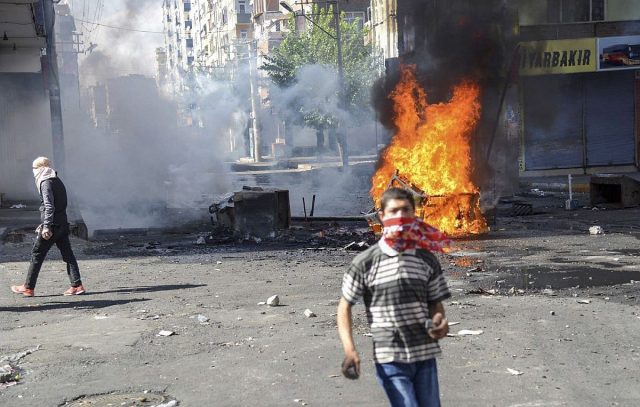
(342,139)
(256,137)
(57,131)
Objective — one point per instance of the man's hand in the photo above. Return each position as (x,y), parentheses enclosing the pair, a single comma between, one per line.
(440,326)
(46,233)
(351,365)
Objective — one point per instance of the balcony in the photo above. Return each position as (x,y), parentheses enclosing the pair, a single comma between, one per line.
(243,18)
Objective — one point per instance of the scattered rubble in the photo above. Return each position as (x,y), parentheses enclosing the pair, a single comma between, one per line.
(596,230)
(515,372)
(165,333)
(584,301)
(466,332)
(309,314)
(273,301)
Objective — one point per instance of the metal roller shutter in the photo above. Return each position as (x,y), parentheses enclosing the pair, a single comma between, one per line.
(609,118)
(552,122)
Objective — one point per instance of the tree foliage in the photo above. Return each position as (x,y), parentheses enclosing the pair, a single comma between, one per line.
(317,45)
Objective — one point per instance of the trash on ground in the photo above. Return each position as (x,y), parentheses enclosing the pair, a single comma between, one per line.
(596,230)
(453,323)
(357,246)
(202,319)
(309,314)
(467,332)
(584,301)
(165,333)
(482,291)
(201,240)
(515,372)
(273,301)
(18,206)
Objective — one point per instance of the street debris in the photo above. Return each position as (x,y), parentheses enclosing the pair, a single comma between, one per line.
(171,403)
(596,230)
(18,206)
(584,301)
(357,246)
(482,291)
(467,332)
(453,323)
(9,376)
(552,312)
(202,319)
(548,291)
(17,356)
(165,333)
(273,301)
(515,372)
(201,240)
(309,314)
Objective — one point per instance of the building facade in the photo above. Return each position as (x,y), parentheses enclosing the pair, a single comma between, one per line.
(383,26)
(579,86)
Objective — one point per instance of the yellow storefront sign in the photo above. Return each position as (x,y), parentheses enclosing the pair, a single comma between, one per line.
(558,56)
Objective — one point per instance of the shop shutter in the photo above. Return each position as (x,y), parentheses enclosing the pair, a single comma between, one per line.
(609,119)
(552,122)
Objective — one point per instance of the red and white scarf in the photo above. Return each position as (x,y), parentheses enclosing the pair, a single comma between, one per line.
(409,233)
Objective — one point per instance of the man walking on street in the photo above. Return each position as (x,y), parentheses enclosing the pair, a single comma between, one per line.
(54,229)
(402,286)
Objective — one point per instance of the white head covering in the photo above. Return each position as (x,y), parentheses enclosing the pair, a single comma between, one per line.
(42,171)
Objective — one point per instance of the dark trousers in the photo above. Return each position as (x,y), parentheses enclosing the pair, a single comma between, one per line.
(40,249)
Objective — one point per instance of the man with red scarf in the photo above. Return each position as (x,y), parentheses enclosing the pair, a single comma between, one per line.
(402,286)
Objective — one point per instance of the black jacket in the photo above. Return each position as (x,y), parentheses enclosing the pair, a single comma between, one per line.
(53,197)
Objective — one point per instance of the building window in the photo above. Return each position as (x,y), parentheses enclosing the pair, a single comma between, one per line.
(189,60)
(224,16)
(243,34)
(351,16)
(278,28)
(188,24)
(575,11)
(242,7)
(187,6)
(189,42)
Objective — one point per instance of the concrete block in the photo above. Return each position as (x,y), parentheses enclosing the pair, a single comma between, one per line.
(615,190)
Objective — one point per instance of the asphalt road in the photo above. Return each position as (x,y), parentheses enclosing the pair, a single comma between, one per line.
(533,271)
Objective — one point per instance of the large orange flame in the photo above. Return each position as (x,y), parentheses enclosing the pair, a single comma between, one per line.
(432,150)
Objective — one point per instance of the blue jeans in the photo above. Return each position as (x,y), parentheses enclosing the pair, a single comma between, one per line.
(410,384)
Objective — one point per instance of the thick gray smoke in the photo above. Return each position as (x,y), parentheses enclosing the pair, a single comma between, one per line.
(119,51)
(142,166)
(338,192)
(138,157)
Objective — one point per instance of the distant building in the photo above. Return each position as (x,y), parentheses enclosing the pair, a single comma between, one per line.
(178,40)
(162,70)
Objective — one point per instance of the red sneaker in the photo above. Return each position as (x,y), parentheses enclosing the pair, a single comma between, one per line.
(75,290)
(21,289)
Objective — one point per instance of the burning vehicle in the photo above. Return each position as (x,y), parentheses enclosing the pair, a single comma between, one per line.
(430,155)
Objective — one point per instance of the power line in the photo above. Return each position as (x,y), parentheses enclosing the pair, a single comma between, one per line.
(120,28)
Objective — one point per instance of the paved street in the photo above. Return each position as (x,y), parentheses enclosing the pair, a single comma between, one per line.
(569,353)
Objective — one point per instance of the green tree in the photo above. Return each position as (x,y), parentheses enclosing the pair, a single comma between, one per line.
(317,45)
